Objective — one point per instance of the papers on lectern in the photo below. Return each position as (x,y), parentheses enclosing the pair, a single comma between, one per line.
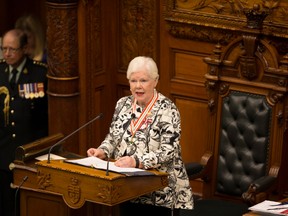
(52,156)
(98,163)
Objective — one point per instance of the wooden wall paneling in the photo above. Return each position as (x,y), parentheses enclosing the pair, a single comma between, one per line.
(138,32)
(188,74)
(110,16)
(34,204)
(93,73)
(188,81)
(63,77)
(189,66)
(194,124)
(85,82)
(165,64)
(194,121)
(93,134)
(190,69)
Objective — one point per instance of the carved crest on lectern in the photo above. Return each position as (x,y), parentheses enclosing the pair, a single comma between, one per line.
(74,190)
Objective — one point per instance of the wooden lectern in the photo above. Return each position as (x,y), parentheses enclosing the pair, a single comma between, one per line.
(60,188)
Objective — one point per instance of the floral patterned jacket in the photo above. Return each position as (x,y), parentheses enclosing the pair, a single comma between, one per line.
(156,144)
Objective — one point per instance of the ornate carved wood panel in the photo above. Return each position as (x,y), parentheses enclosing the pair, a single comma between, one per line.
(63,77)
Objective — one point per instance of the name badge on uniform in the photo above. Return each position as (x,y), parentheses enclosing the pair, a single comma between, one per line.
(31,90)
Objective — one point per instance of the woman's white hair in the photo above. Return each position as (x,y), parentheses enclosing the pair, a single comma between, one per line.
(143,63)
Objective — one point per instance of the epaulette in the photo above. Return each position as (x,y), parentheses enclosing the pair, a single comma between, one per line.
(2,60)
(40,63)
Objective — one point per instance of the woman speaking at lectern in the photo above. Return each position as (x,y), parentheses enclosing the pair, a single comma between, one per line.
(145,133)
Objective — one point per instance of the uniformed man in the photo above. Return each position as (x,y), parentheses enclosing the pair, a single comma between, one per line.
(23,108)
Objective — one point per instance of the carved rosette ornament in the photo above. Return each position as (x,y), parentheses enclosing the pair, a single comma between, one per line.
(224,88)
(275,97)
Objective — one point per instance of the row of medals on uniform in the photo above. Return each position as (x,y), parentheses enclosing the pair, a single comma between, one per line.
(31,90)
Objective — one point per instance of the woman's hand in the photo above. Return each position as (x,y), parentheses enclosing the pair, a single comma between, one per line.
(96,153)
(125,161)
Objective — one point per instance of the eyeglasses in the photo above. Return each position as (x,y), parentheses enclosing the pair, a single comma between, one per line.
(12,50)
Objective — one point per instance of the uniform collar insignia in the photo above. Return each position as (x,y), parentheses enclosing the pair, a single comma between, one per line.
(25,71)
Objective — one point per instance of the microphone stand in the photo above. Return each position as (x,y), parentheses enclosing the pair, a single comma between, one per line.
(16,194)
(62,140)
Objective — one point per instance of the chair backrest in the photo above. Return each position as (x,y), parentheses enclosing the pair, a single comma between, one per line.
(244,130)
(247,101)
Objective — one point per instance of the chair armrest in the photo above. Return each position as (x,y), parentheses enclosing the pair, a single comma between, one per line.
(263,183)
(258,190)
(193,169)
(199,169)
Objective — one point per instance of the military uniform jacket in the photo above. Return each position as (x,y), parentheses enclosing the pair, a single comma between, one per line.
(23,112)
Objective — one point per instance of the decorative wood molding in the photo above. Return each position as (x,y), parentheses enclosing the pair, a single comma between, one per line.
(226,16)
(275,97)
(200,33)
(248,65)
(249,60)
(106,192)
(62,35)
(44,180)
(138,30)
(248,57)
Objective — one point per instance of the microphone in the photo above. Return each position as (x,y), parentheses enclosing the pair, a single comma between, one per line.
(125,129)
(62,140)
(16,193)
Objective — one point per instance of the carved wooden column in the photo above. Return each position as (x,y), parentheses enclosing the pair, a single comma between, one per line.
(63,77)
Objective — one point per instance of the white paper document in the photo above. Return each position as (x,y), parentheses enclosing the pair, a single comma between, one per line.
(52,157)
(98,163)
(268,207)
